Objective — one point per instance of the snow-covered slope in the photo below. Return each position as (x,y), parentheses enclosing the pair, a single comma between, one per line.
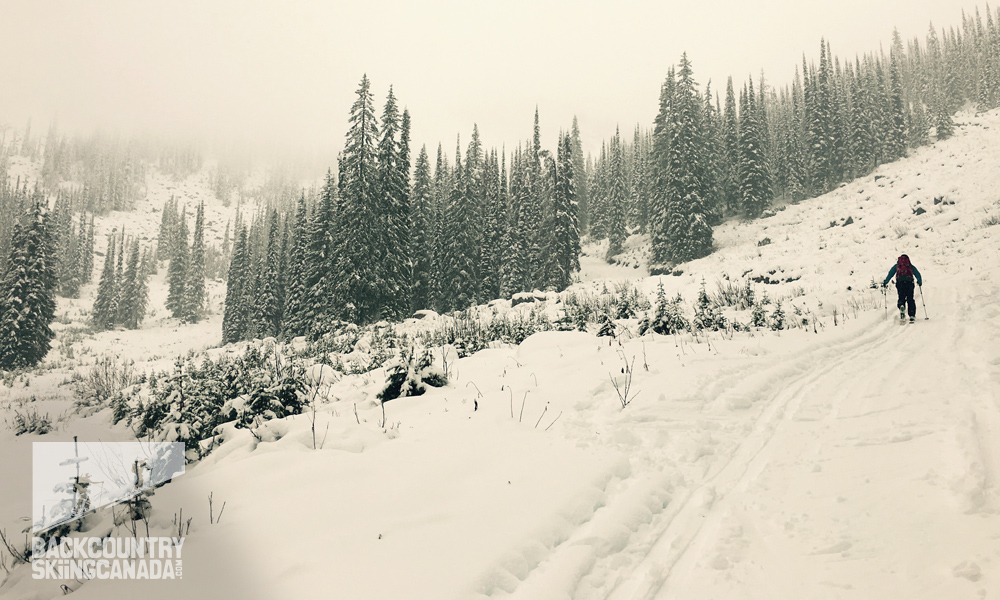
(852,458)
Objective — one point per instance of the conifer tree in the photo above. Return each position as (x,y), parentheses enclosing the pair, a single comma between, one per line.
(730,157)
(686,227)
(564,251)
(617,198)
(755,184)
(460,281)
(662,141)
(234,320)
(194,291)
(107,289)
(296,293)
(494,218)
(118,299)
(177,272)
(363,251)
(271,299)
(27,292)
(135,294)
(421,198)
(580,171)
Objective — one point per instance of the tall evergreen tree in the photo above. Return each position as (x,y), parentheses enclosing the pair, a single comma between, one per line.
(617,199)
(135,294)
(272,293)
(755,183)
(103,314)
(363,251)
(422,198)
(564,252)
(688,232)
(27,292)
(235,317)
(177,272)
(297,291)
(194,290)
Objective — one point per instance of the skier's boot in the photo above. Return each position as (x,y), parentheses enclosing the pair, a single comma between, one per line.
(912,319)
(902,313)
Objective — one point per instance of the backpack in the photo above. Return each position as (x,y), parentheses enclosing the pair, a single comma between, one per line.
(904,271)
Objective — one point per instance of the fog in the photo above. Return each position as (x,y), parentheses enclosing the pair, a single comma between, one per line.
(282,75)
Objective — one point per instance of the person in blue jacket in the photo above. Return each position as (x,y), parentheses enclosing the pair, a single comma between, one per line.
(905,273)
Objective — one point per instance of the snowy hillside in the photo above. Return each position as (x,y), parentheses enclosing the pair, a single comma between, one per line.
(846,457)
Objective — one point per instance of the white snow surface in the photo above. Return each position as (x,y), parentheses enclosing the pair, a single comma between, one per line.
(852,457)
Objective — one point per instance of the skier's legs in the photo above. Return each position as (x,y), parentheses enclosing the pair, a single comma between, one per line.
(906,290)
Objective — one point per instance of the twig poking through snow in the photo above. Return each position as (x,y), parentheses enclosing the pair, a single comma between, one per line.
(554,420)
(541,415)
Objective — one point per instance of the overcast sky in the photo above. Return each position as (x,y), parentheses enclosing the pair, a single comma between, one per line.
(285,71)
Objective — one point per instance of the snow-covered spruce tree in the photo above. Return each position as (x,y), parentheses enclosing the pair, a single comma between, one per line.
(400,301)
(494,219)
(234,320)
(730,155)
(918,126)
(514,271)
(362,251)
(819,109)
(390,231)
(272,293)
(895,141)
(103,315)
(754,176)
(660,158)
(168,223)
(135,291)
(320,277)
(580,170)
(685,226)
(668,317)
(194,290)
(296,292)
(564,251)
(421,199)
(714,149)
(617,199)
(177,272)
(27,292)
(118,299)
(532,215)
(943,123)
(460,282)
(409,374)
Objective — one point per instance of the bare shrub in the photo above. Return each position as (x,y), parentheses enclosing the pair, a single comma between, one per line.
(108,377)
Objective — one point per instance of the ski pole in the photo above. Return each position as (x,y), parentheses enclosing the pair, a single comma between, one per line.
(922,301)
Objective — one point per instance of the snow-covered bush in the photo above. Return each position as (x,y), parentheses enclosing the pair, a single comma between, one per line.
(189,403)
(759,316)
(707,315)
(30,421)
(410,373)
(777,318)
(668,317)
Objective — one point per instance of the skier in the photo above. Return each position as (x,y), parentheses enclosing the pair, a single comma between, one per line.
(904,271)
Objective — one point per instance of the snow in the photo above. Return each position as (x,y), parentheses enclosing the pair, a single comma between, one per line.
(856,459)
